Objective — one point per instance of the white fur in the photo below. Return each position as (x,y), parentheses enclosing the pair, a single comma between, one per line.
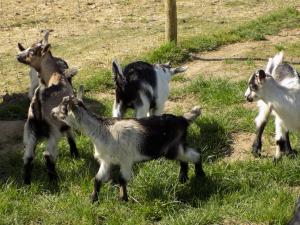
(265,109)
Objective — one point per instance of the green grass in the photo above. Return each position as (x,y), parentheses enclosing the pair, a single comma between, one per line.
(253,30)
(248,191)
(238,192)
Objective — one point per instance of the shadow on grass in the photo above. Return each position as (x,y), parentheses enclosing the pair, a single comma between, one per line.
(214,141)
(14,106)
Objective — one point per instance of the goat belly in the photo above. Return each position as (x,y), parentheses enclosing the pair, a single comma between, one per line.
(162,134)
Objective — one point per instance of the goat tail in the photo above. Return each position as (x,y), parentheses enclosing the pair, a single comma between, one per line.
(193,114)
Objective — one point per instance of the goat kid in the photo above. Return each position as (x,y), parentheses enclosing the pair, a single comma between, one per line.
(62,65)
(53,87)
(286,76)
(284,102)
(124,142)
(142,87)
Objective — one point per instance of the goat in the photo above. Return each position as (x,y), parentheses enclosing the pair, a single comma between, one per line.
(124,142)
(295,220)
(142,87)
(53,87)
(283,101)
(62,65)
(286,76)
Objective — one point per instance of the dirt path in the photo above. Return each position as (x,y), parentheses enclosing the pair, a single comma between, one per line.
(231,69)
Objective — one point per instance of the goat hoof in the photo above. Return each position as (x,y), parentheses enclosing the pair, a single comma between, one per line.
(183,178)
(94,197)
(256,153)
(292,154)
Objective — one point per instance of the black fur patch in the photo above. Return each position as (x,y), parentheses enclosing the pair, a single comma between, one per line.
(163,134)
(40,127)
(73,148)
(50,91)
(64,128)
(256,146)
(27,171)
(136,74)
(282,144)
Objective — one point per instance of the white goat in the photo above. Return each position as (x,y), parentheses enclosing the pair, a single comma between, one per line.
(124,142)
(53,87)
(286,76)
(284,102)
(143,87)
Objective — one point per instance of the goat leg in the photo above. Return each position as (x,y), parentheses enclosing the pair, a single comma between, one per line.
(95,194)
(123,189)
(199,170)
(288,148)
(256,146)
(51,169)
(27,171)
(183,173)
(73,147)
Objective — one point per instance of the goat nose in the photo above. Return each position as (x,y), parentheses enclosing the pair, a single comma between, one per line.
(249,99)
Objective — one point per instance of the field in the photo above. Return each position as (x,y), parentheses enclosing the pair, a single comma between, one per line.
(238,188)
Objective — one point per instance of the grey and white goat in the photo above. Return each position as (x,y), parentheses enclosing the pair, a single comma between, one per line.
(62,65)
(142,87)
(284,102)
(124,142)
(286,76)
(53,87)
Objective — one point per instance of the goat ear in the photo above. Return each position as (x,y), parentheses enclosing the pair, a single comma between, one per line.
(46,49)
(116,68)
(21,47)
(261,75)
(80,93)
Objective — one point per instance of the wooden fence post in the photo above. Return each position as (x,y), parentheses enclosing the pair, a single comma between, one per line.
(171,21)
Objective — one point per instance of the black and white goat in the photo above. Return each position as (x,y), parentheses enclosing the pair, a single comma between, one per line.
(53,87)
(142,87)
(284,102)
(62,65)
(124,142)
(287,77)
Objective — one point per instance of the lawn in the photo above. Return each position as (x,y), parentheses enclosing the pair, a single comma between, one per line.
(244,191)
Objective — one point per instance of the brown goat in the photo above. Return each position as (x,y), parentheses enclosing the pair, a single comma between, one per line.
(53,87)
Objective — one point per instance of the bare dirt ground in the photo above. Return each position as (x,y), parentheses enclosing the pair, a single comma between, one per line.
(231,69)
(92,33)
